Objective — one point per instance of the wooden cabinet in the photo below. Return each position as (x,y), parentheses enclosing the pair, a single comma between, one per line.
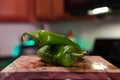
(58,9)
(14,10)
(53,10)
(43,9)
(33,10)
(49,9)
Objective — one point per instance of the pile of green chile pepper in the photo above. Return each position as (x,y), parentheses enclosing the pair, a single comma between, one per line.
(55,48)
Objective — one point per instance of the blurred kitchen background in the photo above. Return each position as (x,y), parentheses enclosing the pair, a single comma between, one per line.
(92,24)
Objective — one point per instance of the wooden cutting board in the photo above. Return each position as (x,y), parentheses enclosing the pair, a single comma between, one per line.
(32,67)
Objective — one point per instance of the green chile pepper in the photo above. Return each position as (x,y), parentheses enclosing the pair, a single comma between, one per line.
(64,55)
(55,48)
(43,37)
(47,53)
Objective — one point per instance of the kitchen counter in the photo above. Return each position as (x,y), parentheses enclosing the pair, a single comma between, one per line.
(31,67)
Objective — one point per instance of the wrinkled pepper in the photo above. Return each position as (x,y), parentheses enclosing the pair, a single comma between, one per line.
(55,48)
(64,55)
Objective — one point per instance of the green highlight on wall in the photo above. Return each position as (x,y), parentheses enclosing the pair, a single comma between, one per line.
(16,51)
(83,45)
(29,43)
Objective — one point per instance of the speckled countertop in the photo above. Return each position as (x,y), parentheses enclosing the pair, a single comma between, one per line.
(32,64)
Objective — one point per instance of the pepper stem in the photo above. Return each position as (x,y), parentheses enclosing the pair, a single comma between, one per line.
(29,34)
(79,55)
(76,54)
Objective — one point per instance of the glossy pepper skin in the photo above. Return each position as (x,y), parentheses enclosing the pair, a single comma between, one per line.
(44,37)
(47,53)
(55,48)
(64,55)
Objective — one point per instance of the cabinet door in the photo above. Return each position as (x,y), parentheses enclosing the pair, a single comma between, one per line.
(58,8)
(49,9)
(13,10)
(43,9)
